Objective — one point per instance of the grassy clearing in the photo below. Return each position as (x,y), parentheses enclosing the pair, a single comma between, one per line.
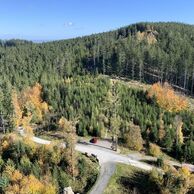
(128,179)
(144,86)
(114,185)
(125,151)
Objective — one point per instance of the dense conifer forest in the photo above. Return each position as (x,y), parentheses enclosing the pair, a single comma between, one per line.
(68,72)
(81,86)
(145,51)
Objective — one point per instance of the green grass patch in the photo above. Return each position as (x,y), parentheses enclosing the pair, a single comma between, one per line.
(128,179)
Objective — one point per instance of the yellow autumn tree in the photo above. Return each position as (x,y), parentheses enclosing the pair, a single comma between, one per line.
(28,107)
(69,131)
(17,117)
(133,138)
(178,126)
(169,101)
(154,150)
(31,101)
(166,98)
(21,184)
(25,122)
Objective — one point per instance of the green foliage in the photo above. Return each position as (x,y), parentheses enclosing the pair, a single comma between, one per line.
(189,151)
(160,161)
(25,165)
(67,70)
(132,137)
(1,163)
(121,52)
(4,182)
(128,179)
(154,150)
(26,158)
(118,52)
(171,180)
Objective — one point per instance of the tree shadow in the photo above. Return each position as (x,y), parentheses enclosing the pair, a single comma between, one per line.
(139,183)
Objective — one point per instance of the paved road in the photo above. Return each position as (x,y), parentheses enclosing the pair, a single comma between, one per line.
(105,156)
(107,160)
(106,171)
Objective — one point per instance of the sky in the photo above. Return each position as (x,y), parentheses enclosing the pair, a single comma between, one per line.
(43,20)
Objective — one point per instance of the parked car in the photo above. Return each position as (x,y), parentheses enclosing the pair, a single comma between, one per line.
(94,140)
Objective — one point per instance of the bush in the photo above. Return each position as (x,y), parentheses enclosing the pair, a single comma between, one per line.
(160,161)
(132,137)
(154,150)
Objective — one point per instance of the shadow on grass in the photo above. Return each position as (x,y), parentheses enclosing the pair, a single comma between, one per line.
(151,162)
(139,183)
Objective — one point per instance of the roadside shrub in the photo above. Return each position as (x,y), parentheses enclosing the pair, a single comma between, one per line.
(132,137)
(154,150)
(160,161)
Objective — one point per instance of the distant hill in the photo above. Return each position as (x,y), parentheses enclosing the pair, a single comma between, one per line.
(148,52)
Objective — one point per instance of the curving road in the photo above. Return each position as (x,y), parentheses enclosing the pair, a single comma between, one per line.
(106,171)
(104,155)
(107,160)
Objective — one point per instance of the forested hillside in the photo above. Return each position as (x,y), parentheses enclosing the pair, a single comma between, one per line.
(145,51)
(67,70)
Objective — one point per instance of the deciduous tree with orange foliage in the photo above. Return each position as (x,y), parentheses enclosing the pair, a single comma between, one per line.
(21,184)
(28,107)
(166,98)
(17,109)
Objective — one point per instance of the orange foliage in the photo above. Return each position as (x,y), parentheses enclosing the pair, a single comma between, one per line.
(16,176)
(21,184)
(17,109)
(5,145)
(28,107)
(31,184)
(185,171)
(26,124)
(166,97)
(6,141)
(31,99)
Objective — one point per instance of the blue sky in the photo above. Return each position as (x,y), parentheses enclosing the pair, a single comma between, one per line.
(61,19)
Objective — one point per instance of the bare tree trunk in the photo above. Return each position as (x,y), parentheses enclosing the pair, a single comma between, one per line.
(192,84)
(98,51)
(103,66)
(185,79)
(162,74)
(2,122)
(94,57)
(140,70)
(133,70)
